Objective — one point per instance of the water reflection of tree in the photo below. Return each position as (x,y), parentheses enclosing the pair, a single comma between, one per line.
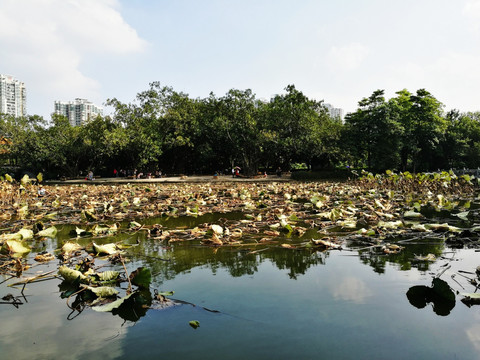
(189,222)
(377,259)
(167,262)
(296,261)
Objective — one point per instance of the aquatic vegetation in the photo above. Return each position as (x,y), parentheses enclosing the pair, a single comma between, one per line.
(373,216)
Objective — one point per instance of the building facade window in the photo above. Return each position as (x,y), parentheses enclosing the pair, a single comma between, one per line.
(13,96)
(78,111)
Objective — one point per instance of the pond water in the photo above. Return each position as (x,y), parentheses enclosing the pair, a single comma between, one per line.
(276,303)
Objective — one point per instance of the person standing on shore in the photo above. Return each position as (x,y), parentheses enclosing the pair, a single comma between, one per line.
(279,172)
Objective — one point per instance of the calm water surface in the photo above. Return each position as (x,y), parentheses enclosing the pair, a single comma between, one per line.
(275,304)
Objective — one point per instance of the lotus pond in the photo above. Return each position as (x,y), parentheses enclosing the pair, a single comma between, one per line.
(366,269)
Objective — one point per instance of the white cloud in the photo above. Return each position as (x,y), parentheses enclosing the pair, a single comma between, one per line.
(472,9)
(98,26)
(453,79)
(348,57)
(44,42)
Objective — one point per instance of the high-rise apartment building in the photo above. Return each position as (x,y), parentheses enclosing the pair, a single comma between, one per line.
(334,112)
(13,96)
(78,111)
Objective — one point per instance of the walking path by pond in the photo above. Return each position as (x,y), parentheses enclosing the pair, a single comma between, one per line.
(176,179)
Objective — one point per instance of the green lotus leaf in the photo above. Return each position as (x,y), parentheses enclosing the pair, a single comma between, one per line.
(194,324)
(475,296)
(80,232)
(347,224)
(294,217)
(25,180)
(217,229)
(366,232)
(134,225)
(89,216)
(142,277)
(23,211)
(71,275)
(107,249)
(52,215)
(105,229)
(70,247)
(107,275)
(27,234)
(443,227)
(15,247)
(462,215)
(390,224)
(113,305)
(428,257)
(419,227)
(50,232)
(412,215)
(102,291)
(166,293)
(15,236)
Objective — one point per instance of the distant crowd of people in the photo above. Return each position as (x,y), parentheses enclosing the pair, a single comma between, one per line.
(135,174)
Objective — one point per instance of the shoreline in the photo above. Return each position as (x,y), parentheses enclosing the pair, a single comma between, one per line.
(171,179)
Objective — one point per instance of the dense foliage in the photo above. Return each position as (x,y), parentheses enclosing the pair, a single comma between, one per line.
(168,131)
(411,132)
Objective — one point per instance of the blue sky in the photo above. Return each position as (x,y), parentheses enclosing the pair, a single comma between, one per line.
(336,51)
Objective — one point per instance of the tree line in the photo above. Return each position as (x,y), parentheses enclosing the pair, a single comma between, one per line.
(165,130)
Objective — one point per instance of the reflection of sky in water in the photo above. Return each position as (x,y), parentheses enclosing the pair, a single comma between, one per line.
(351,289)
(473,333)
(39,329)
